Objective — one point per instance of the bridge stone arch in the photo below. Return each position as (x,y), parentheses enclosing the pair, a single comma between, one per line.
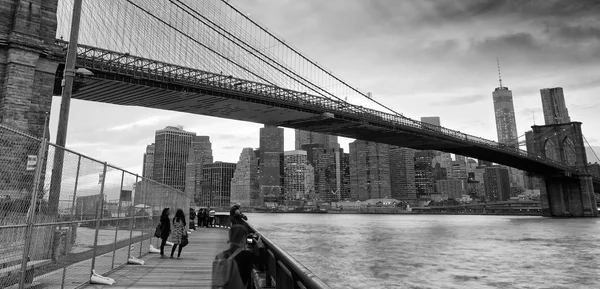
(565,195)
(561,142)
(550,150)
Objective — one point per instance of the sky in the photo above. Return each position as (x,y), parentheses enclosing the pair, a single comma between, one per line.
(419,57)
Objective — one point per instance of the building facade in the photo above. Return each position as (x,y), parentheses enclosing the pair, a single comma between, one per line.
(369,170)
(497,183)
(554,106)
(297,183)
(171,151)
(504,111)
(270,176)
(216,185)
(148,167)
(452,188)
(303,137)
(424,178)
(402,174)
(200,154)
(244,184)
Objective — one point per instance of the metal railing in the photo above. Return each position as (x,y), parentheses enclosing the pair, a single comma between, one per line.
(99,217)
(281,270)
(138,67)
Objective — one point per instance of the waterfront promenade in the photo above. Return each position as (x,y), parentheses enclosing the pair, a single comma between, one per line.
(193,270)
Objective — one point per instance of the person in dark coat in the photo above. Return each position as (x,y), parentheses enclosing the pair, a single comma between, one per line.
(246,258)
(236,216)
(201,218)
(192,219)
(166,231)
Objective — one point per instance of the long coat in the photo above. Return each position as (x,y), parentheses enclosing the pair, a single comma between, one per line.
(166,227)
(177,232)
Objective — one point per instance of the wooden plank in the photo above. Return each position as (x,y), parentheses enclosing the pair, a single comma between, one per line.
(193,270)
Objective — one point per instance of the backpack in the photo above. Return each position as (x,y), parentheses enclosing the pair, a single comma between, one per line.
(225,272)
(158,231)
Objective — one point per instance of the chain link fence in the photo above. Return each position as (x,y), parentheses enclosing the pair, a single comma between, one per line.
(63,214)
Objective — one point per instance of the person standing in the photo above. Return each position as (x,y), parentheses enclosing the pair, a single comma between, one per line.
(244,258)
(236,216)
(192,219)
(179,231)
(201,218)
(211,217)
(165,225)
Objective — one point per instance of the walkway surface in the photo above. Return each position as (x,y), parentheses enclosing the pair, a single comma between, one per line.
(193,270)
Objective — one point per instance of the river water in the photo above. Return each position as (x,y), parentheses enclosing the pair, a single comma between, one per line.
(440,251)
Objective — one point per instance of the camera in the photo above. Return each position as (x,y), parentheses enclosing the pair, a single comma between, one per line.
(251,238)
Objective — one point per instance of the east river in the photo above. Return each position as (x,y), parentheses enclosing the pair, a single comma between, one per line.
(440,251)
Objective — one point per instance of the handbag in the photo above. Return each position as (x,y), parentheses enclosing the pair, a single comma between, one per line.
(158,231)
(184,240)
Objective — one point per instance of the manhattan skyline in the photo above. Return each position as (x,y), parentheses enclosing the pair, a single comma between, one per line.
(418,57)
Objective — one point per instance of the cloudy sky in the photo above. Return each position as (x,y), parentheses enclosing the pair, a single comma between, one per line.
(420,57)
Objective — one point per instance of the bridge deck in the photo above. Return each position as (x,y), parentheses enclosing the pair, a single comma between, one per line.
(193,270)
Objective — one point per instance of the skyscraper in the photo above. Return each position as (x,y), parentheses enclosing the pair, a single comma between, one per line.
(402,174)
(297,184)
(424,180)
(554,106)
(303,137)
(216,185)
(244,184)
(497,183)
(433,120)
(328,171)
(171,151)
(200,154)
(345,176)
(369,170)
(148,168)
(271,164)
(504,110)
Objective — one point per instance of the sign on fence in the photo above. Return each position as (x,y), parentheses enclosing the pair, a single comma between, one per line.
(31,162)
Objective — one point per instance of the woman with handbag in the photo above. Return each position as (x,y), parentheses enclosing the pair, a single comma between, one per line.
(178,233)
(165,230)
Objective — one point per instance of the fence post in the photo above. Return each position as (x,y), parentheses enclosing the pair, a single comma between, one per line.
(132,212)
(32,205)
(112,266)
(98,218)
(70,231)
(144,192)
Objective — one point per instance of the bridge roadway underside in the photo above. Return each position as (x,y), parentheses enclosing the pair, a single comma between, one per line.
(222,103)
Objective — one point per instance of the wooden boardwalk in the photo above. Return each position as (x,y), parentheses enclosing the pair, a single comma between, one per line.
(193,270)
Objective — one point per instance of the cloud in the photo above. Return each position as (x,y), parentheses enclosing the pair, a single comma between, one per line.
(460,100)
(150,121)
(513,41)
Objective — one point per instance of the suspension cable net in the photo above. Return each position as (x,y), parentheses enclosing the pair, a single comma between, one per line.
(209,35)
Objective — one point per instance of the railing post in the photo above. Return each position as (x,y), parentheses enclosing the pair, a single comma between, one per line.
(132,212)
(112,266)
(32,206)
(145,194)
(69,232)
(99,210)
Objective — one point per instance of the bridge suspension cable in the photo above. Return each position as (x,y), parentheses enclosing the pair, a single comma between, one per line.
(309,60)
(591,148)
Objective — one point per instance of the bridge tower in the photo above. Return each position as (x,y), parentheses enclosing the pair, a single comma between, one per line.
(565,195)
(28,61)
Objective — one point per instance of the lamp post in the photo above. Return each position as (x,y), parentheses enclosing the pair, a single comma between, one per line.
(63,118)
